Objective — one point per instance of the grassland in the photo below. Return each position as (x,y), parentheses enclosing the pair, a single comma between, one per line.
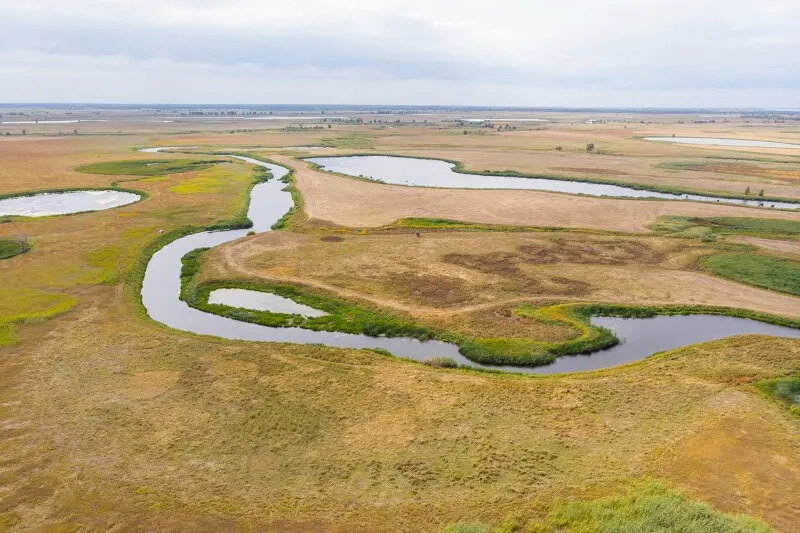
(11,247)
(766,271)
(112,421)
(147,167)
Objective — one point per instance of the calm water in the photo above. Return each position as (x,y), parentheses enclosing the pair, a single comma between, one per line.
(64,203)
(261,301)
(641,337)
(436,173)
(723,142)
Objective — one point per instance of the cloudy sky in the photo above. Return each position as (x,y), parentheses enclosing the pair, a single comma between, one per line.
(717,53)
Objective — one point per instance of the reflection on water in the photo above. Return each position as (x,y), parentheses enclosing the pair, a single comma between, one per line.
(436,173)
(64,203)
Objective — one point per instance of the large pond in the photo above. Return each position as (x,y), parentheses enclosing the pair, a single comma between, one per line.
(436,173)
(713,141)
(64,203)
(161,297)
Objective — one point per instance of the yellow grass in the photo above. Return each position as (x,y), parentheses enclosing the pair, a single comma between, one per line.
(108,420)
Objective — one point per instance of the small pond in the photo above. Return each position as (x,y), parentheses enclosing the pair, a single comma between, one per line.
(713,141)
(437,173)
(261,301)
(64,203)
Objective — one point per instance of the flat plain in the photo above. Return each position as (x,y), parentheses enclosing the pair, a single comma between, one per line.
(109,420)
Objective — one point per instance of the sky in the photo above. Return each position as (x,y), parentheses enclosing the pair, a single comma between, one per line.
(626,53)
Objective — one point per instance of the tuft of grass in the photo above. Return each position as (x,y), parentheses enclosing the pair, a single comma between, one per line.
(11,247)
(650,508)
(769,272)
(441,362)
(147,167)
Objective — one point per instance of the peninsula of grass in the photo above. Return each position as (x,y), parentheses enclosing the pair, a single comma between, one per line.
(147,167)
(461,169)
(765,271)
(12,247)
(351,317)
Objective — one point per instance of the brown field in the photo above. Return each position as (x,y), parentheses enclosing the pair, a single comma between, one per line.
(789,248)
(109,421)
(453,274)
(356,203)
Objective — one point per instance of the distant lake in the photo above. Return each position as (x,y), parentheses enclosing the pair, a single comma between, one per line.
(437,173)
(723,142)
(64,203)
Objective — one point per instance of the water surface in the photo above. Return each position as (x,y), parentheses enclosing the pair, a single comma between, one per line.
(713,141)
(64,203)
(437,173)
(261,301)
(161,298)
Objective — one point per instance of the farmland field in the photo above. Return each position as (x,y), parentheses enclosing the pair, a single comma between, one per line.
(111,420)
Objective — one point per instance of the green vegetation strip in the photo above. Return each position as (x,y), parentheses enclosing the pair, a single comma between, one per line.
(766,271)
(459,168)
(147,167)
(648,508)
(11,247)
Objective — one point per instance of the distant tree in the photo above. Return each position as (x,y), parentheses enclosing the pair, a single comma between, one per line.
(747,191)
(24,132)
(590,147)
(761,192)
(558,148)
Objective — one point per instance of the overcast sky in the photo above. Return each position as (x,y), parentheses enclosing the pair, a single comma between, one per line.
(714,53)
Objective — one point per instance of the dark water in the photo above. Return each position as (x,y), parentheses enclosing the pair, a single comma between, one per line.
(64,203)
(437,173)
(642,337)
(713,141)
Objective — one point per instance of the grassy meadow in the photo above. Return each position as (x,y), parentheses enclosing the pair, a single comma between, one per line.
(111,421)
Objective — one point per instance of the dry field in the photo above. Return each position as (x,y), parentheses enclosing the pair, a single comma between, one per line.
(109,421)
(357,203)
(449,278)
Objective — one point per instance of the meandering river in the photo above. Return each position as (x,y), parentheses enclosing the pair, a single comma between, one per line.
(161,297)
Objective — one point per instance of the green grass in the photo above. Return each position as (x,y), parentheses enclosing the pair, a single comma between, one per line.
(147,167)
(11,247)
(697,226)
(786,390)
(646,508)
(768,272)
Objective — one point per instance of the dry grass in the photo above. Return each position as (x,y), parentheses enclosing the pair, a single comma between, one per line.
(109,421)
(455,273)
(355,203)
